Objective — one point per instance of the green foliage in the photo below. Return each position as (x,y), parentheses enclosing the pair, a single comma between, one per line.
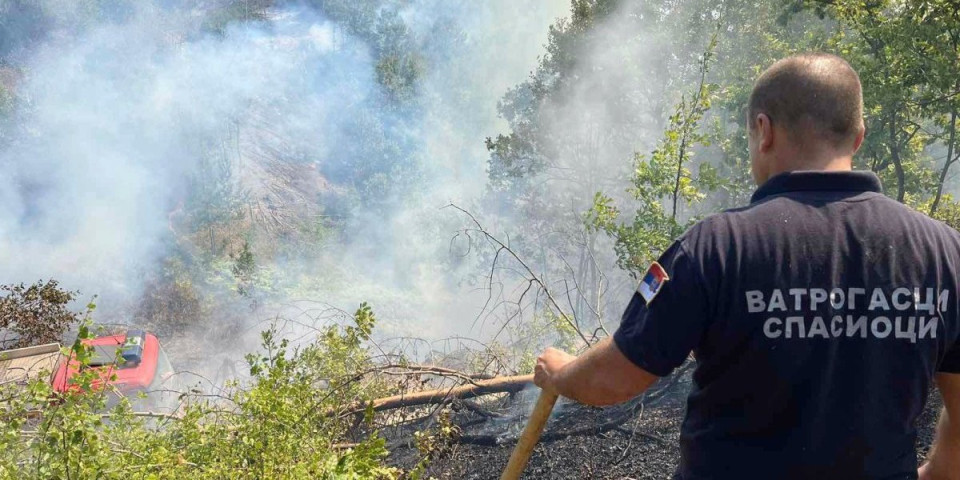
(601,88)
(531,146)
(244,268)
(563,334)
(906,54)
(891,85)
(236,11)
(755,36)
(285,424)
(665,177)
(214,198)
(400,65)
(435,442)
(399,74)
(948,212)
(171,302)
(38,313)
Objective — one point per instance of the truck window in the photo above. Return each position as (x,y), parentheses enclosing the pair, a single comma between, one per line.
(162,393)
(163,373)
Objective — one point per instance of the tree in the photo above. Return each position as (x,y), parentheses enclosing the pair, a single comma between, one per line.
(905,52)
(665,175)
(222,16)
(891,89)
(214,197)
(613,77)
(399,62)
(936,46)
(605,84)
(171,302)
(36,314)
(244,268)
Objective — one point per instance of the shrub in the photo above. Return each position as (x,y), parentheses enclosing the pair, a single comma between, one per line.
(289,421)
(36,314)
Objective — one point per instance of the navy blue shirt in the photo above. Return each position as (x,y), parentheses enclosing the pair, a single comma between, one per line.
(818,316)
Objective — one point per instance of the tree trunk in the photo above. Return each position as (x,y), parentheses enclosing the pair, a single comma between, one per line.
(676,185)
(947,163)
(895,157)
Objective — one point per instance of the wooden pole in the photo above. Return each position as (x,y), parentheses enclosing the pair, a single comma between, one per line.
(531,434)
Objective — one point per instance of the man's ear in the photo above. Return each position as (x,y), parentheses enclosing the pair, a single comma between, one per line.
(858,142)
(765,131)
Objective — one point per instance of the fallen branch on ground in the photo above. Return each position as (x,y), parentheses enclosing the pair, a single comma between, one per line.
(477,388)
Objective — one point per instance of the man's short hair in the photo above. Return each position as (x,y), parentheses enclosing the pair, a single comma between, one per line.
(811,94)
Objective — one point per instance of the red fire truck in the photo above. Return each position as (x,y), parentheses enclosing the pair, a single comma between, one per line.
(134,360)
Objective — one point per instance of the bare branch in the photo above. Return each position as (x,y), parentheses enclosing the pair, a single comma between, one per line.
(531,275)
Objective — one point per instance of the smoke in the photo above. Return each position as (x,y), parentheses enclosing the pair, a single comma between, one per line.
(111,129)
(613,79)
(118,116)
(337,132)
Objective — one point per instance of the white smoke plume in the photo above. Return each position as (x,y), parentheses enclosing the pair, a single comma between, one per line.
(115,115)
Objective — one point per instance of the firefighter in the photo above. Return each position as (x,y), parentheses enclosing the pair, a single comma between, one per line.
(820,315)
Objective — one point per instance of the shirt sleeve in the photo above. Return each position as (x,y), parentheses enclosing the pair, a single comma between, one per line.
(658,337)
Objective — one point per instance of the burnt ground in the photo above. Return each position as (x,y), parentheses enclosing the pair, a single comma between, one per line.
(632,441)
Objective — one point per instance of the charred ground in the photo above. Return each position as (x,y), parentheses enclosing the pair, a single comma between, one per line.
(636,440)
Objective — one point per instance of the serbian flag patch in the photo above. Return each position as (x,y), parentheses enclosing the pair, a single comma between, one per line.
(652,282)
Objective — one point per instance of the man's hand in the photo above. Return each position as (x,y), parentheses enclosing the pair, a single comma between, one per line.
(601,376)
(549,364)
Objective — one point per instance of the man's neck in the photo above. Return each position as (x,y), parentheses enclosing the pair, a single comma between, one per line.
(828,162)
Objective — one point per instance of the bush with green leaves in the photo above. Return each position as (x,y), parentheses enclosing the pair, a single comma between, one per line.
(291,420)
